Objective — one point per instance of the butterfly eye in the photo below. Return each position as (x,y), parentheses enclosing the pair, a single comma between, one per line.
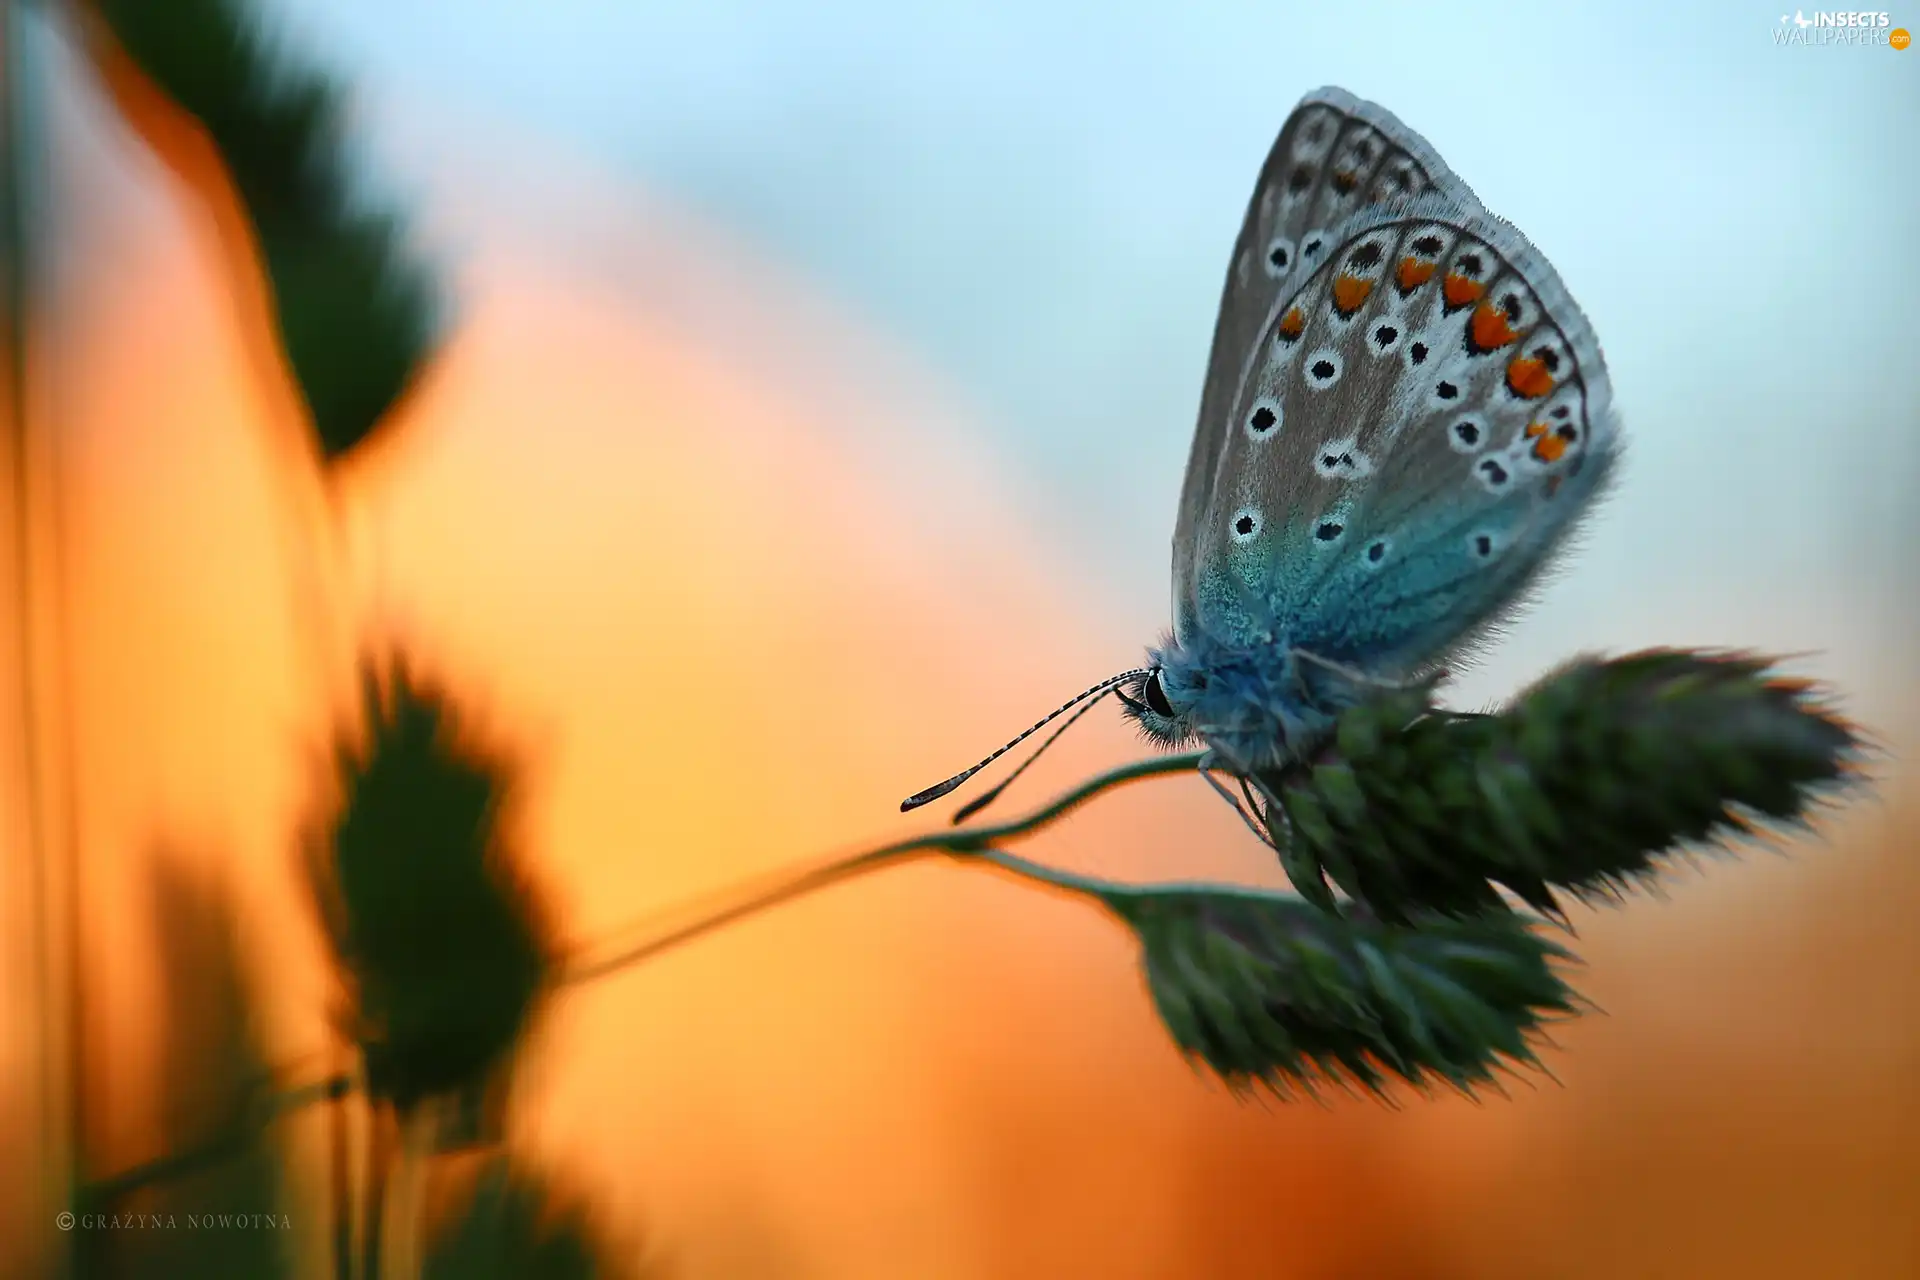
(1155,697)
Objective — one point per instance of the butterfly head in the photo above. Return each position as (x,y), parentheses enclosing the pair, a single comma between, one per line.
(1149,706)
(1260,705)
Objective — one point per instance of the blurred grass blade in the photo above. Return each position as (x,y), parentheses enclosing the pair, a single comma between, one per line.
(1582,784)
(355,313)
(445,946)
(1266,989)
(212,1075)
(517,1227)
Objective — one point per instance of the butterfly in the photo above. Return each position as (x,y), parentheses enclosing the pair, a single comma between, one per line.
(1404,417)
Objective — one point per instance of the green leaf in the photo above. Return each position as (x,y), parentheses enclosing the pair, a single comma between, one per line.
(443,941)
(355,313)
(1583,784)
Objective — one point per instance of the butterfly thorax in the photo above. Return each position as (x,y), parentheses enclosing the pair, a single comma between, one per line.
(1261,705)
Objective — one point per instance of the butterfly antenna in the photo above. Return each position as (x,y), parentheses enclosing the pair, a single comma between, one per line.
(975,805)
(931,794)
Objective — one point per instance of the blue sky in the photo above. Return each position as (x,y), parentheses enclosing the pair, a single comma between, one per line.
(1036,201)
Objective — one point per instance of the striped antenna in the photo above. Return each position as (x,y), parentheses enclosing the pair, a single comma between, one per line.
(931,794)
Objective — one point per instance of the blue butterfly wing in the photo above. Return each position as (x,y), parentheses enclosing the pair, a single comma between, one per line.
(1421,423)
(1335,155)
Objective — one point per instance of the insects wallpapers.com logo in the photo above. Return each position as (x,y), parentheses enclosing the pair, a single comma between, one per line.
(1841,27)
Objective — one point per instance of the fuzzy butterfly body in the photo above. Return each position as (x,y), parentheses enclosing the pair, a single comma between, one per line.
(1403,417)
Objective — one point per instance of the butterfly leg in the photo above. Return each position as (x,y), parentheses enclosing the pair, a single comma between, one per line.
(1207,765)
(1296,859)
(1308,879)
(1263,806)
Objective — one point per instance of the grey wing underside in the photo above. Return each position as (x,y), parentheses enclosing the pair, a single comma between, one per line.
(1336,156)
(1422,426)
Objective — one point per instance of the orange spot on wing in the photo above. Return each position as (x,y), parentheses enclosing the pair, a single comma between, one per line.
(1414,273)
(1536,429)
(1459,290)
(1349,292)
(1293,324)
(1549,448)
(1528,377)
(1490,327)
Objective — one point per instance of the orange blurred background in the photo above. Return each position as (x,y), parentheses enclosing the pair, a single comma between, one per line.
(733,597)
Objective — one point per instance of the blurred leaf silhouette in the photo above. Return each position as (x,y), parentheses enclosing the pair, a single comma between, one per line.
(1582,783)
(517,1226)
(444,943)
(212,1071)
(355,314)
